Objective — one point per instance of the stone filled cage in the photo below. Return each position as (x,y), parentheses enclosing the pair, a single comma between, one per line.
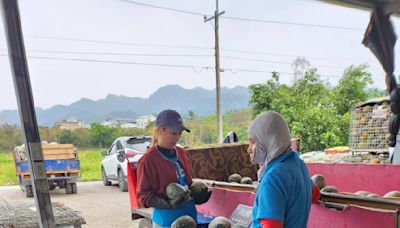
(369,131)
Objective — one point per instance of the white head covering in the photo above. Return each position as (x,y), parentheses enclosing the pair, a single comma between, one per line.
(271,133)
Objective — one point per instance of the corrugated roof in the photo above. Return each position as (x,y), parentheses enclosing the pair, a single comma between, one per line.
(388,6)
(372,101)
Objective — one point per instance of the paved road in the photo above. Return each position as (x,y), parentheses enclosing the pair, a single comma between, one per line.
(101,206)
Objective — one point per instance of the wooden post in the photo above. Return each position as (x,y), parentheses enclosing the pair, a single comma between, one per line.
(23,90)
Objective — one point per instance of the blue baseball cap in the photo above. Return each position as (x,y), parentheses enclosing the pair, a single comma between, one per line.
(171,119)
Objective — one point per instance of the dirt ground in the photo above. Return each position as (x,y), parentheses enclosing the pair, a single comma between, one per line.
(101,206)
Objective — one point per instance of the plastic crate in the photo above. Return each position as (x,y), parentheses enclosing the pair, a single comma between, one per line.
(369,127)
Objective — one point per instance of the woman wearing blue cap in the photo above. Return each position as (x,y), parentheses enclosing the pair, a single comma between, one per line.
(165,163)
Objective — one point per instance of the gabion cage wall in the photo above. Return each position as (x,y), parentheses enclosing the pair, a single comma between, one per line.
(369,128)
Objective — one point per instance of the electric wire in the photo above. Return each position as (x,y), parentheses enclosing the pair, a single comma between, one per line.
(193,67)
(188,47)
(245,19)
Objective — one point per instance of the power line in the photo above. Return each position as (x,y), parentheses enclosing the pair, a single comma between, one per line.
(182,47)
(256,60)
(246,19)
(278,62)
(294,23)
(115,53)
(282,62)
(164,8)
(121,62)
(179,46)
(116,42)
(117,62)
(286,55)
(286,73)
(169,55)
(193,67)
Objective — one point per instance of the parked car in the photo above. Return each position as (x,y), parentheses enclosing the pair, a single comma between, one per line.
(112,169)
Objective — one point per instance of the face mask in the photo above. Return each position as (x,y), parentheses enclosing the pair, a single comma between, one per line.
(259,155)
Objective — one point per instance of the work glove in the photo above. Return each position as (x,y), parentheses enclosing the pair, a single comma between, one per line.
(335,206)
(177,203)
(319,181)
(159,201)
(202,197)
(318,184)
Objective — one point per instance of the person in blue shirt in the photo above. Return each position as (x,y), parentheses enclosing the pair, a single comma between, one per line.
(285,191)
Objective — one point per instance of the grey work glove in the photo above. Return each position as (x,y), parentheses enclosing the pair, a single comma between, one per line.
(202,197)
(177,203)
(159,201)
(338,207)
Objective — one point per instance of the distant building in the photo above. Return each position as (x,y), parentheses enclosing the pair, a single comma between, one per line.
(2,121)
(143,121)
(123,123)
(70,124)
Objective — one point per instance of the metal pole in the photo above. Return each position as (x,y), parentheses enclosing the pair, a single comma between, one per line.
(23,90)
(217,72)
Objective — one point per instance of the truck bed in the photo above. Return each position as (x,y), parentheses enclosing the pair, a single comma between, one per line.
(52,166)
(50,151)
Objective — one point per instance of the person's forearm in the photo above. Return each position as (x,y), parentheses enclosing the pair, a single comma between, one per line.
(315,194)
(270,223)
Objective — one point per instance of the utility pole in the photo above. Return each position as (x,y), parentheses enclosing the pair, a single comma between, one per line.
(23,90)
(217,70)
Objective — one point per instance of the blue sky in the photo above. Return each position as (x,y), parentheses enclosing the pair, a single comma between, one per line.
(142,34)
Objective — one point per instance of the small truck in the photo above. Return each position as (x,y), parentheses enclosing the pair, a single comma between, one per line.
(61,163)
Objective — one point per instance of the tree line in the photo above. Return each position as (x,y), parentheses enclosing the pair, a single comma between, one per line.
(316,112)
(203,131)
(97,136)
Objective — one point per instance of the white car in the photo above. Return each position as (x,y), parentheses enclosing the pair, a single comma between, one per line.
(132,148)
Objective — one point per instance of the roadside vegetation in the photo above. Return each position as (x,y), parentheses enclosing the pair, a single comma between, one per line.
(203,131)
(317,112)
(100,137)
(7,170)
(90,164)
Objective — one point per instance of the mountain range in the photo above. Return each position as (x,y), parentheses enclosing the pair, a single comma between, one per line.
(199,100)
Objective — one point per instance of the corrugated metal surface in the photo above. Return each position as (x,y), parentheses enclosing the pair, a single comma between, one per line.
(378,179)
(351,217)
(389,6)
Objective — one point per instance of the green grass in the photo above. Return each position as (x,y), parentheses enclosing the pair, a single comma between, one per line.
(90,167)
(7,170)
